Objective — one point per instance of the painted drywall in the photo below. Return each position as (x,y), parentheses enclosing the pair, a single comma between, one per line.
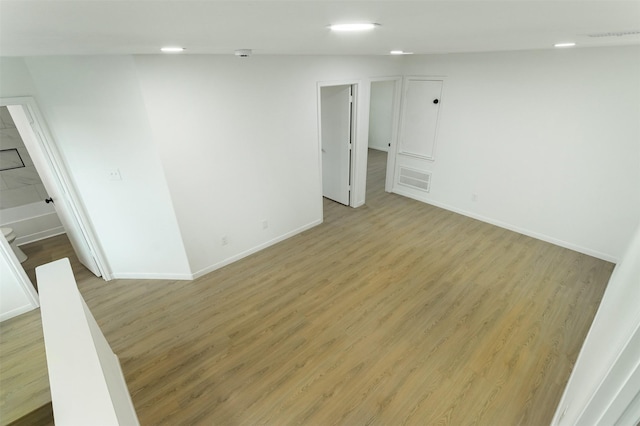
(86,382)
(239,143)
(15,79)
(615,323)
(546,140)
(381,114)
(94,111)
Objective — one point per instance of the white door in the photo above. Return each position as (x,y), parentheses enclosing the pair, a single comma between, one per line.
(33,140)
(335,117)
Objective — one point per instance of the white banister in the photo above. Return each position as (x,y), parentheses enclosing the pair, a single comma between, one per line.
(87,384)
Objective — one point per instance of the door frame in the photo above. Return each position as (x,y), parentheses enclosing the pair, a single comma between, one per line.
(48,148)
(358,186)
(395,127)
(337,116)
(6,252)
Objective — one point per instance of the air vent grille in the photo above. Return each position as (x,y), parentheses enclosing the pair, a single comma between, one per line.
(415,179)
(614,34)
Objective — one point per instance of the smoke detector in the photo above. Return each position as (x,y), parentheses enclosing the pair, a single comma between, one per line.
(243,53)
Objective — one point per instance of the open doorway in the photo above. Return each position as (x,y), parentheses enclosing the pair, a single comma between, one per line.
(27,214)
(56,190)
(383,127)
(337,136)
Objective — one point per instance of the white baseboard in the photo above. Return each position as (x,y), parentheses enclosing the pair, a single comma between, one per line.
(145,276)
(211,268)
(17,311)
(523,231)
(255,249)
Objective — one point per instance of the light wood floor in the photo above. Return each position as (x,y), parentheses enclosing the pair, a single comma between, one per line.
(393,313)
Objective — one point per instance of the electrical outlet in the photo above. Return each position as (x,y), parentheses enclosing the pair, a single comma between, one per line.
(474,197)
(265,224)
(224,240)
(114,174)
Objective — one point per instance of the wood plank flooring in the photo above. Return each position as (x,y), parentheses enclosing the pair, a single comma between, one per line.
(394,313)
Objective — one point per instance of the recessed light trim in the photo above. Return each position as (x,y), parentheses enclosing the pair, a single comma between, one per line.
(172,49)
(567,44)
(400,52)
(353,27)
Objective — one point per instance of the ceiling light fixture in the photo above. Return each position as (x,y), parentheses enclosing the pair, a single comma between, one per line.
(400,52)
(570,44)
(352,27)
(172,49)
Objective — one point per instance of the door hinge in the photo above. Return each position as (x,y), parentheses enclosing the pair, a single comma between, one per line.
(350,99)
(350,144)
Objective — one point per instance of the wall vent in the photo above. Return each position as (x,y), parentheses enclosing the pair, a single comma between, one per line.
(614,34)
(415,179)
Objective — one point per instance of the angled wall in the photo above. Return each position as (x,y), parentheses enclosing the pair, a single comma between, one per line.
(94,111)
(238,140)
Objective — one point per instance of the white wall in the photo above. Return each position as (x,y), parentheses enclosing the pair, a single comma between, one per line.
(614,325)
(547,140)
(15,79)
(239,143)
(236,140)
(94,110)
(381,114)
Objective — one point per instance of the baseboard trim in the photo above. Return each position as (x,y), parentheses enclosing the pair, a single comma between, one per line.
(379,148)
(149,276)
(211,268)
(17,311)
(514,228)
(255,249)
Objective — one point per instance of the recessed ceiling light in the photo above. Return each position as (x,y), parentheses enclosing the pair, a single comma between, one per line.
(172,49)
(400,52)
(570,44)
(352,27)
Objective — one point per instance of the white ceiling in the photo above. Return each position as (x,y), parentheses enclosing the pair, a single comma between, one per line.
(78,27)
